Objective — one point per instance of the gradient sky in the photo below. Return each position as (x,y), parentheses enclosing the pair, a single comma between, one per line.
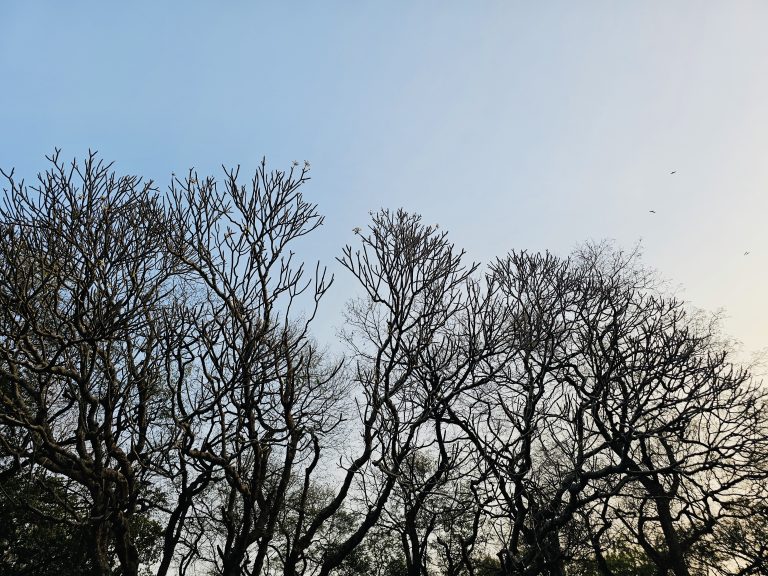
(513,125)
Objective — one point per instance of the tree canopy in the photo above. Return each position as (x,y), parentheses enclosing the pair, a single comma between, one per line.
(166,408)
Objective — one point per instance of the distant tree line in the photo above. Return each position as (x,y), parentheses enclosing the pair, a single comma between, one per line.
(165,408)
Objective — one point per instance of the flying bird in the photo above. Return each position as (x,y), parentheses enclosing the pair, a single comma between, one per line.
(652,211)
(747,252)
(673,172)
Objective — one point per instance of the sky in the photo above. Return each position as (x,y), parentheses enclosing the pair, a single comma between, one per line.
(514,125)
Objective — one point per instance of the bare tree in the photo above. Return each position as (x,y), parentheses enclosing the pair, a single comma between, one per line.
(686,425)
(528,429)
(739,544)
(424,334)
(611,394)
(412,281)
(84,272)
(255,399)
(161,392)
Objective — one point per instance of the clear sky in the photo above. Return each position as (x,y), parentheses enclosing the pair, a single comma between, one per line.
(533,125)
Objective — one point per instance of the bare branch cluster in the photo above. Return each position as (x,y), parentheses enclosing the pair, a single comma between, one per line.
(162,397)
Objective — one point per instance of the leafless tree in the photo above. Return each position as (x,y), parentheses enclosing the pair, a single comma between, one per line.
(612,394)
(506,416)
(413,280)
(159,379)
(686,425)
(739,544)
(255,398)
(84,273)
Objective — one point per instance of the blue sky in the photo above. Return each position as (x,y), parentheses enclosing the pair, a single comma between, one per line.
(514,125)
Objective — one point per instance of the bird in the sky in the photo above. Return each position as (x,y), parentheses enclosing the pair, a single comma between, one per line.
(356,230)
(673,172)
(747,252)
(652,211)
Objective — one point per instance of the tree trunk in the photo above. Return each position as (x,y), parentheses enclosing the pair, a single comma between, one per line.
(127,553)
(675,559)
